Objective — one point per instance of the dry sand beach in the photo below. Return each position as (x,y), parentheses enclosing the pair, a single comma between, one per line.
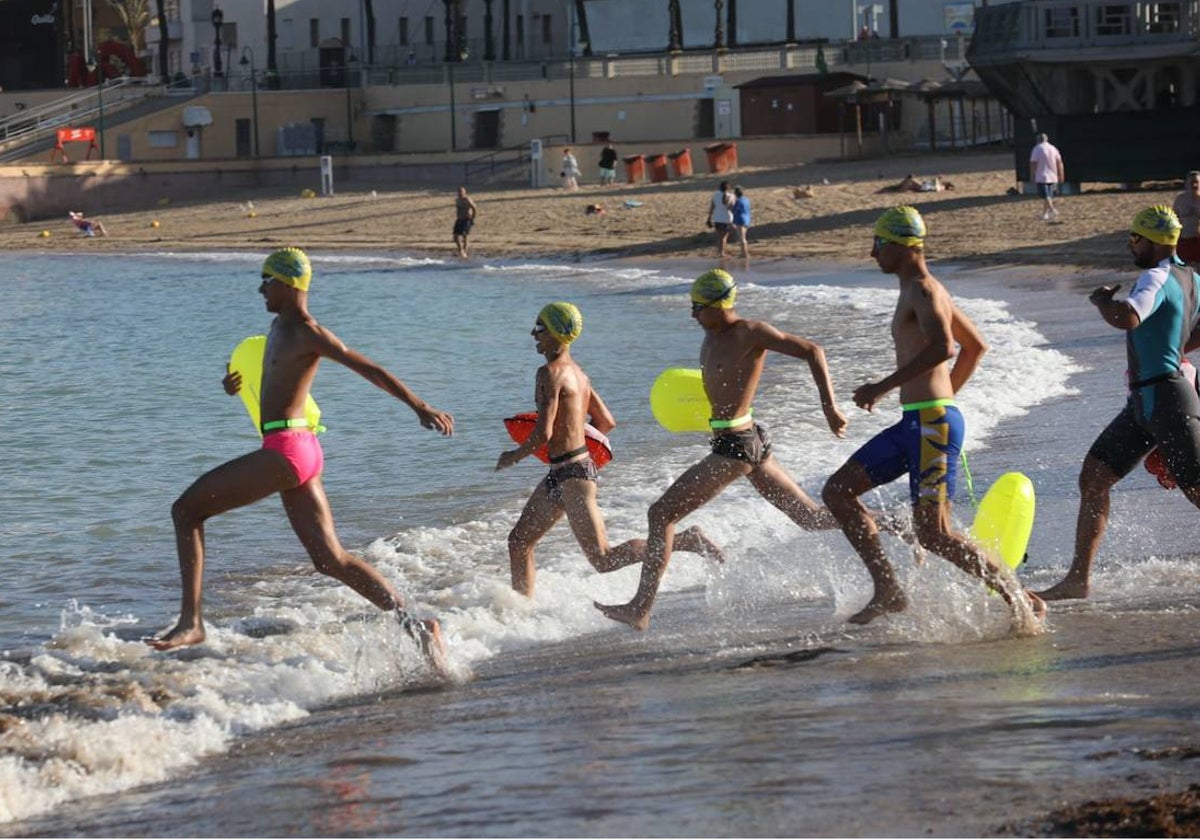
(978,221)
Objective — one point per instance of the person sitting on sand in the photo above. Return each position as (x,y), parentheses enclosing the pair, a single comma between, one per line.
(88,227)
(910,184)
(290,461)
(566,403)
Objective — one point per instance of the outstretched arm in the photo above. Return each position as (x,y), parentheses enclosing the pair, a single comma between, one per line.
(771,338)
(329,346)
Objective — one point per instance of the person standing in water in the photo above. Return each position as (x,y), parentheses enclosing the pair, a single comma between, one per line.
(290,460)
(927,441)
(1161,321)
(464,219)
(732,356)
(566,403)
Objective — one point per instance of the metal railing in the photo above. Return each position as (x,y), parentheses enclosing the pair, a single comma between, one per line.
(1074,24)
(39,123)
(494,162)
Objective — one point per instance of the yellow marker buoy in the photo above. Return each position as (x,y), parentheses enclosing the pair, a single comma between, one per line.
(1004,520)
(247,359)
(45,234)
(154,224)
(678,400)
(307,193)
(252,215)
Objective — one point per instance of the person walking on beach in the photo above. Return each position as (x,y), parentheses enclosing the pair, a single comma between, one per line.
(1046,165)
(1187,208)
(608,165)
(732,356)
(566,402)
(927,441)
(720,216)
(1159,317)
(290,461)
(570,171)
(739,216)
(464,219)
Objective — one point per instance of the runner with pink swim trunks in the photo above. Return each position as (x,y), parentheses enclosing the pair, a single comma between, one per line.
(290,460)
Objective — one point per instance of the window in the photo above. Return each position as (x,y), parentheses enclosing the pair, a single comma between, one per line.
(346,31)
(520,35)
(1062,22)
(229,35)
(547,29)
(404,32)
(1112,20)
(314,32)
(1164,17)
(241,134)
(287,34)
(162,139)
(428,31)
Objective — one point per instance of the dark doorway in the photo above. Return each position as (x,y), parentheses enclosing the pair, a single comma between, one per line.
(486,133)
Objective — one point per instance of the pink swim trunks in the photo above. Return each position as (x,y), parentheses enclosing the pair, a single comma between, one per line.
(301,448)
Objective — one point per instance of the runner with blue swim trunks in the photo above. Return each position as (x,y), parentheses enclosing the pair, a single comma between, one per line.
(927,441)
(1159,318)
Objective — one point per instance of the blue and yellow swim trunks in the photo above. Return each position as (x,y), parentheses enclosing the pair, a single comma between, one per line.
(926,444)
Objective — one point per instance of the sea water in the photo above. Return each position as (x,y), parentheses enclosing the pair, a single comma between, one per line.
(308,712)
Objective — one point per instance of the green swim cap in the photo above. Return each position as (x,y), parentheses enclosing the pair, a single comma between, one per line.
(715,288)
(902,225)
(564,320)
(1158,224)
(289,266)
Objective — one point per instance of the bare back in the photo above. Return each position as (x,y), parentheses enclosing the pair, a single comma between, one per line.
(731,362)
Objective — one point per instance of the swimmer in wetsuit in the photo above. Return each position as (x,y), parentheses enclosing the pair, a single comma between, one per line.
(290,460)
(566,402)
(732,356)
(1161,320)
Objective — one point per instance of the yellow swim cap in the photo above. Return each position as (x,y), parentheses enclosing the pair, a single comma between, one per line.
(902,225)
(564,320)
(289,266)
(1158,224)
(715,288)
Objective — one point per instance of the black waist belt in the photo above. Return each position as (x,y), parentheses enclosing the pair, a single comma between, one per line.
(567,456)
(1154,380)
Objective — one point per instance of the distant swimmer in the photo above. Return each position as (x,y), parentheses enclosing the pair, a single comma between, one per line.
(464,219)
(926,443)
(1160,319)
(290,461)
(732,356)
(566,403)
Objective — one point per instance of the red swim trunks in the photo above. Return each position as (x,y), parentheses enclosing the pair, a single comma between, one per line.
(301,448)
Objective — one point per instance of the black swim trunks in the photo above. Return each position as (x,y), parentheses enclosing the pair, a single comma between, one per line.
(463,226)
(584,468)
(751,445)
(1173,424)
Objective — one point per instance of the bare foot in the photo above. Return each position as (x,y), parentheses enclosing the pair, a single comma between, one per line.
(1065,590)
(697,542)
(880,606)
(1038,605)
(179,636)
(427,633)
(626,614)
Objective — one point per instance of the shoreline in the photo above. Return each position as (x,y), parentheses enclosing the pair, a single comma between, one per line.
(978,222)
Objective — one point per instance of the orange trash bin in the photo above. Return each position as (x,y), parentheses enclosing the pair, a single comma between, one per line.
(681,163)
(635,169)
(658,168)
(722,157)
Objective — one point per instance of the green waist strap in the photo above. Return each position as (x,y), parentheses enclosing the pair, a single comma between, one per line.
(729,424)
(917,406)
(291,423)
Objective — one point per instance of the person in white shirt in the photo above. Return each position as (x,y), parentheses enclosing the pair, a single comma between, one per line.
(1046,165)
(720,216)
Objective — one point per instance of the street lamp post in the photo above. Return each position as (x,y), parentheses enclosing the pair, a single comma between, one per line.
(349,107)
(246,50)
(218,18)
(462,56)
(97,67)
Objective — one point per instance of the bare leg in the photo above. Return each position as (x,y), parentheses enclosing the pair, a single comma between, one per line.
(774,484)
(234,484)
(932,522)
(308,510)
(840,495)
(538,517)
(1096,481)
(690,491)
